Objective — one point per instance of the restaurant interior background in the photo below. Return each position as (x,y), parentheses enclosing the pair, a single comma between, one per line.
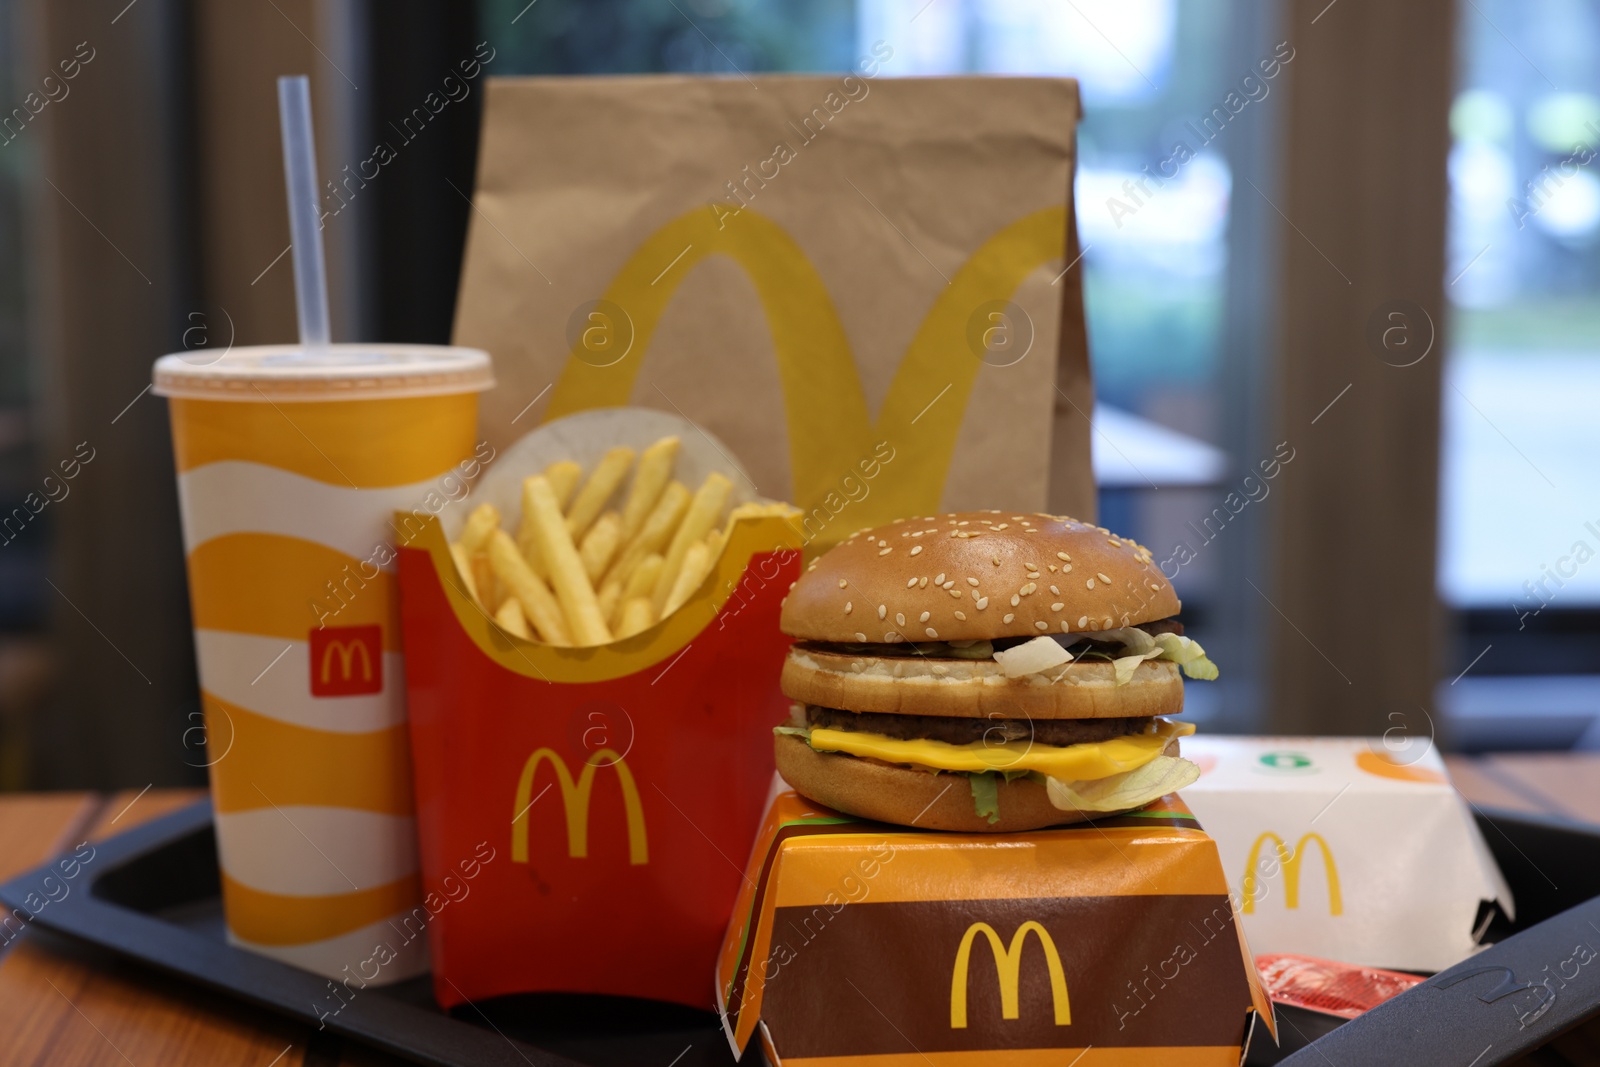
(1377,266)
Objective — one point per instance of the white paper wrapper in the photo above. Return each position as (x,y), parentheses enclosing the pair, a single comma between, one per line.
(1385,865)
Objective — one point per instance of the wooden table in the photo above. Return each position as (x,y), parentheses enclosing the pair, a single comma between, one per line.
(61,1005)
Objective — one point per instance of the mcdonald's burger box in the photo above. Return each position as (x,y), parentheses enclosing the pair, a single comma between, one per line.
(1347,848)
(859,943)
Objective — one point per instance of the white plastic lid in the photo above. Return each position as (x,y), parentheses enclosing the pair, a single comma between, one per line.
(342,372)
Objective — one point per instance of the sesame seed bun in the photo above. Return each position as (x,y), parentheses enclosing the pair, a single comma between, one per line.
(963,570)
(870,789)
(913,685)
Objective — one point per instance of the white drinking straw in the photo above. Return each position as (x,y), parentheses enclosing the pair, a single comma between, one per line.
(305,229)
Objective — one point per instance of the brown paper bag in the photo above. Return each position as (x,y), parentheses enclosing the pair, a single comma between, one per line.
(866,289)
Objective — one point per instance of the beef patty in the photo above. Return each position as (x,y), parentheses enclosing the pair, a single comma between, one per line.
(957,731)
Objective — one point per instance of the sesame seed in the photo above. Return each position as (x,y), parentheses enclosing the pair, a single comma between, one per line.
(882,543)
(1042,625)
(910,582)
(1029,566)
(883,611)
(1056,591)
(1002,526)
(923,582)
(1103,578)
(940,579)
(964,522)
(1064,627)
(1107,622)
(1052,568)
(1007,617)
(924,617)
(972,582)
(861,636)
(900,617)
(1082,622)
(1066,568)
(931,632)
(954,592)
(892,637)
(951,584)
(849,606)
(961,615)
(884,551)
(1057,606)
(1016,518)
(996,560)
(915,549)
(1063,556)
(981,603)
(1015,599)
(843,583)
(1028,589)
(1090,583)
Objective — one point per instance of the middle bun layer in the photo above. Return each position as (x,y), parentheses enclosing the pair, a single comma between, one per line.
(915,685)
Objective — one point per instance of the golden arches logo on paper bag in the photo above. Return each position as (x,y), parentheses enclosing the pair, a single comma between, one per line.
(575,796)
(1008,968)
(1290,861)
(825,408)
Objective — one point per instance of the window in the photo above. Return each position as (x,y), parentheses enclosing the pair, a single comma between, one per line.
(1520,501)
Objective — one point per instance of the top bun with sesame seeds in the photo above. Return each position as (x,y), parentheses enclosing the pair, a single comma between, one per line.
(977,575)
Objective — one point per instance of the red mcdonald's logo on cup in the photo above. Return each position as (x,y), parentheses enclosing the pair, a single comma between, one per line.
(346,661)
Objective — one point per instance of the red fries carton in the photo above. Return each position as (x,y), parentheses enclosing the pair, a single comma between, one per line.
(605,793)
(1113,942)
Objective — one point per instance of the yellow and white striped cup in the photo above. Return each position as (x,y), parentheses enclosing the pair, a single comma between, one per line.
(290,469)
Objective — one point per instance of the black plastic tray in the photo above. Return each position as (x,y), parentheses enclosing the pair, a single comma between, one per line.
(153,896)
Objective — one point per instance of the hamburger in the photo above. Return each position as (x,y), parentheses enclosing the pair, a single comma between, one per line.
(985,671)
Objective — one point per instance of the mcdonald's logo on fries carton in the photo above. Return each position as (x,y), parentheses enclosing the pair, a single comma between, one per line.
(617,779)
(858,943)
(1332,844)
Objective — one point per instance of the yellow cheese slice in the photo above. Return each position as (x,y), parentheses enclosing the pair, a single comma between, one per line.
(1074,763)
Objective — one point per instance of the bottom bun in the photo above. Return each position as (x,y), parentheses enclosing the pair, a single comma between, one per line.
(869,789)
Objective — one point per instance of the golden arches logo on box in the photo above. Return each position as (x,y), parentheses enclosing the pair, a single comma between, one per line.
(1290,861)
(575,796)
(825,407)
(1008,968)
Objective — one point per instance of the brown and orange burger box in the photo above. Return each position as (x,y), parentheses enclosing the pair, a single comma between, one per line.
(1114,941)
(603,797)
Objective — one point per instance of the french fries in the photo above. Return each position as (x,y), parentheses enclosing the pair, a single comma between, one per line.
(511,619)
(598,557)
(703,513)
(563,476)
(649,482)
(600,544)
(554,542)
(637,616)
(696,562)
(601,486)
(538,605)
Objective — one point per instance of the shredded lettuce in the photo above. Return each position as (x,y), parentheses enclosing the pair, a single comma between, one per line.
(986,795)
(1187,654)
(1126,791)
(794,731)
